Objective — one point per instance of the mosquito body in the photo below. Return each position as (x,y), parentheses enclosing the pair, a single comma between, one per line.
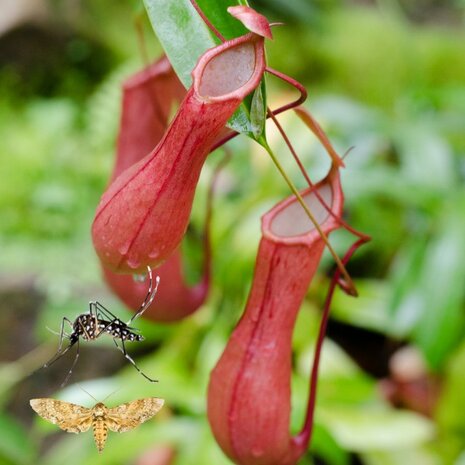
(99,320)
(89,326)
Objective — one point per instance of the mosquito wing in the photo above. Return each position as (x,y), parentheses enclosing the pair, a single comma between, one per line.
(69,417)
(127,416)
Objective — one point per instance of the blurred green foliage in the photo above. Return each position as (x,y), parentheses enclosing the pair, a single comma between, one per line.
(389,87)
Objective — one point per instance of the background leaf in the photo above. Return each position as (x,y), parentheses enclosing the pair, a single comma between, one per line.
(13,448)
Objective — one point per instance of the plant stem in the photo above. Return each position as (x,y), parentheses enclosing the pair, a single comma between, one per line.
(306,433)
(209,24)
(14,372)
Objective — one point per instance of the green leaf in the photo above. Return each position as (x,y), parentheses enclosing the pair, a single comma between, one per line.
(324,445)
(375,429)
(368,311)
(13,444)
(425,156)
(216,12)
(185,37)
(461,459)
(405,301)
(407,456)
(442,321)
(257,113)
(181,32)
(182,433)
(451,405)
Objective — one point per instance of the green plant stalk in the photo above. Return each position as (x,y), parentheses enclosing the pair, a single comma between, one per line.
(349,283)
(14,372)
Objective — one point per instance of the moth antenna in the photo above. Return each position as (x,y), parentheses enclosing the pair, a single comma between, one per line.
(111,393)
(88,393)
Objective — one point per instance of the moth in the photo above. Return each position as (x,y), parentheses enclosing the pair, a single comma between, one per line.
(77,419)
(99,320)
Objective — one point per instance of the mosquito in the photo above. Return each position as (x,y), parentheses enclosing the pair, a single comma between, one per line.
(99,320)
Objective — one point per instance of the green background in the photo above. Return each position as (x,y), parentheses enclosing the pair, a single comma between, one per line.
(387,78)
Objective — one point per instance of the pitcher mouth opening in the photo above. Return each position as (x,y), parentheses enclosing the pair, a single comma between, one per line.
(292,220)
(288,222)
(231,70)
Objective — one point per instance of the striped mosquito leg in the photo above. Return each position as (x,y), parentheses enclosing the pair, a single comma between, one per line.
(101,310)
(128,357)
(151,293)
(61,352)
(70,372)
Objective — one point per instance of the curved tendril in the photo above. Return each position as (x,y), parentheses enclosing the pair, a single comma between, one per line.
(341,221)
(350,285)
(225,139)
(277,111)
(294,83)
(288,106)
(291,147)
(314,126)
(306,433)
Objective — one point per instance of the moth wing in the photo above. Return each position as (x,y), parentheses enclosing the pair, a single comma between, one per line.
(69,417)
(127,416)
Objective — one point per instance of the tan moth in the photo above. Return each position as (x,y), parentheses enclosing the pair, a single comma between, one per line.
(77,419)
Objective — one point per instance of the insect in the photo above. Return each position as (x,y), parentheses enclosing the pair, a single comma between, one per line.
(99,320)
(76,419)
